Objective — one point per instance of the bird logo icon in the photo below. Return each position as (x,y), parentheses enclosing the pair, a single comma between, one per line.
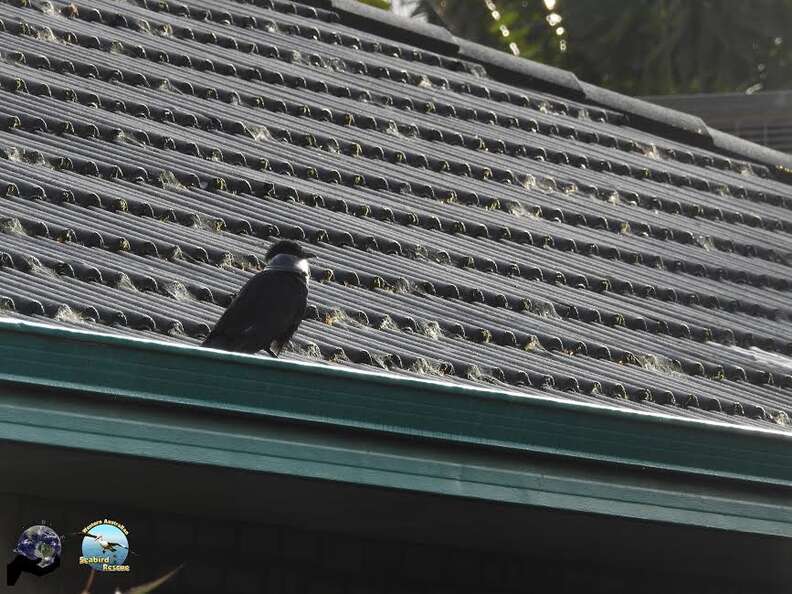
(105,546)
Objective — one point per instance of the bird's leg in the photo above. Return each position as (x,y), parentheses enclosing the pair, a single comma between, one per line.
(271,352)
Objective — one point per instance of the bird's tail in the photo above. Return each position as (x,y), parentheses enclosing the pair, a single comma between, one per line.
(229,343)
(242,344)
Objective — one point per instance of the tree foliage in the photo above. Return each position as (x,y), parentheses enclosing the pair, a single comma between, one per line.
(639,47)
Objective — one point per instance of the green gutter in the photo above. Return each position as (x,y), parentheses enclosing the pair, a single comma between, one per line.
(121,367)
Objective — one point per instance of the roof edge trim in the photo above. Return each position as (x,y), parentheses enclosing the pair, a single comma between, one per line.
(74,362)
(206,439)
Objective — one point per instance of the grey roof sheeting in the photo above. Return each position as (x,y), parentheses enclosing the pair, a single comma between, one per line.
(465,228)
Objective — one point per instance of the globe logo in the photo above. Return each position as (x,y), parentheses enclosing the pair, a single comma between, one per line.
(40,544)
(37,552)
(105,546)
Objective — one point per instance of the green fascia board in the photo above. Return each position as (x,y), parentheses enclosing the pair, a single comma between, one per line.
(200,439)
(76,361)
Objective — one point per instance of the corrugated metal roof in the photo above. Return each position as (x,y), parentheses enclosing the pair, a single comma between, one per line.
(465,228)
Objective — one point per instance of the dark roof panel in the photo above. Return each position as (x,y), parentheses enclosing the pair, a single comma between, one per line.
(466,228)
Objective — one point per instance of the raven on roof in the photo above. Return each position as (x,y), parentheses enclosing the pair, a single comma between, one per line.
(270,307)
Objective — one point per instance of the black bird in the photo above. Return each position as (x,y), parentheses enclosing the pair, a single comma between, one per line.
(270,307)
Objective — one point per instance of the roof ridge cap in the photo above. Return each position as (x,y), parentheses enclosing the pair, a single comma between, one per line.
(780,163)
(649,116)
(505,68)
